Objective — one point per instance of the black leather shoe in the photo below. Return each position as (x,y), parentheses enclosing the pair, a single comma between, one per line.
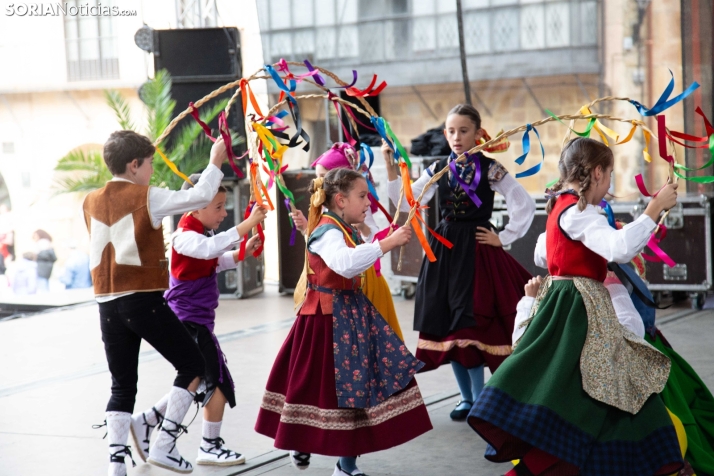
(460,415)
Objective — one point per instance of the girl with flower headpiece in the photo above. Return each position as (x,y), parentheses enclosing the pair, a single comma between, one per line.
(375,287)
(466,299)
(343,383)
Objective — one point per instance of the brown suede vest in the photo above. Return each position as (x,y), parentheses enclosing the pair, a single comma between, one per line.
(326,278)
(126,251)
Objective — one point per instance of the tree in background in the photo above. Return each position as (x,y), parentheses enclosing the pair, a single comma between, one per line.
(85,170)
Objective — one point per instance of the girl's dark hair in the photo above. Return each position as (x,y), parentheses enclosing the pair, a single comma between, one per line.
(579,158)
(468,111)
(43,235)
(194,178)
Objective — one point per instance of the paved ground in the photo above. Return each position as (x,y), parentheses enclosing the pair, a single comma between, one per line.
(54,385)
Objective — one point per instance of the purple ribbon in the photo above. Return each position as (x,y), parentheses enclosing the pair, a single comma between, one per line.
(470,189)
(292,222)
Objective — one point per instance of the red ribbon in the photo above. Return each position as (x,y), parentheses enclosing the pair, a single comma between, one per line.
(369,90)
(653,244)
(256,253)
(204,126)
(226,134)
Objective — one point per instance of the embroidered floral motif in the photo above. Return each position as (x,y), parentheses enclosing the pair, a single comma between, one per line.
(342,419)
(447,345)
(618,367)
(366,357)
(496,172)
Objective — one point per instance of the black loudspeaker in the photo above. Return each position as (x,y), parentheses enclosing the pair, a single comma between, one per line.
(198,54)
(184,93)
(368,136)
(201,60)
(292,258)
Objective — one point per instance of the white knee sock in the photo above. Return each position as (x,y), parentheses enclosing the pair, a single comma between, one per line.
(179,402)
(118,424)
(151,417)
(211,430)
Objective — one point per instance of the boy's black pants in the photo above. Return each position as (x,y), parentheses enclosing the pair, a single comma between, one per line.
(124,322)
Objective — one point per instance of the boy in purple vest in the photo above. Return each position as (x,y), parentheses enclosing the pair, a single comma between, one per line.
(130,273)
(197,255)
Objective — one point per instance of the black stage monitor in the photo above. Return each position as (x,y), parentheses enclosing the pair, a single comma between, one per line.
(193,54)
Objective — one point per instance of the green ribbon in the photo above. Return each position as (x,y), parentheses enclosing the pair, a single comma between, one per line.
(400,148)
(702,179)
(585,133)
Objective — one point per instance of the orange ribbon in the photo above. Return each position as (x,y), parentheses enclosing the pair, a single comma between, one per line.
(409,195)
(259,188)
(247,93)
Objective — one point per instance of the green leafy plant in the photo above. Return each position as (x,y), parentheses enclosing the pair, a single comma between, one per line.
(85,170)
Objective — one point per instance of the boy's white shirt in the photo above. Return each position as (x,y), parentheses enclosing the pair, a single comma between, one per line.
(163,203)
(195,245)
(625,310)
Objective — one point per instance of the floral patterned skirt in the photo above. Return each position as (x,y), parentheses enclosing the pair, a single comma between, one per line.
(300,407)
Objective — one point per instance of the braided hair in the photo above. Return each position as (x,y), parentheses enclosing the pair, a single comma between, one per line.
(324,189)
(579,158)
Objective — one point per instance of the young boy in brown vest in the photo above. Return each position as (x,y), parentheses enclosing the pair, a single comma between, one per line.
(130,273)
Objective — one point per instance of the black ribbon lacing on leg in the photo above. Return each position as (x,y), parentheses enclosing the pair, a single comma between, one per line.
(96,427)
(119,455)
(159,419)
(175,433)
(217,444)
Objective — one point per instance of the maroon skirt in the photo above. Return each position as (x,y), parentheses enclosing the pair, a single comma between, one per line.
(300,412)
(499,282)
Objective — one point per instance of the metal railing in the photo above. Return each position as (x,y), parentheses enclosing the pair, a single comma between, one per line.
(488,31)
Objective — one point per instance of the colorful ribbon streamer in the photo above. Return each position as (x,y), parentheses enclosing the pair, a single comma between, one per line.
(409,195)
(226,134)
(172,166)
(526,144)
(241,251)
(292,222)
(664,102)
(319,80)
(585,133)
(608,211)
(369,90)
(470,189)
(653,244)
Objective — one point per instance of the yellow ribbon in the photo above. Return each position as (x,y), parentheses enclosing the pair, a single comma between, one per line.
(600,128)
(172,166)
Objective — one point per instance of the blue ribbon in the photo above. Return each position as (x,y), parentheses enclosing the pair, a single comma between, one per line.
(281,85)
(279,115)
(378,124)
(664,102)
(370,185)
(610,214)
(526,144)
(364,151)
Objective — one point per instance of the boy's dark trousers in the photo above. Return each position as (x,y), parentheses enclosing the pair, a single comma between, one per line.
(144,315)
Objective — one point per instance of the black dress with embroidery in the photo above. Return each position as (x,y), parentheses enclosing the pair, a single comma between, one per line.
(466,300)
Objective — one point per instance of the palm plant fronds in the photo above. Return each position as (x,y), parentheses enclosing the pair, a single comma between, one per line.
(84,172)
(156,94)
(121,109)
